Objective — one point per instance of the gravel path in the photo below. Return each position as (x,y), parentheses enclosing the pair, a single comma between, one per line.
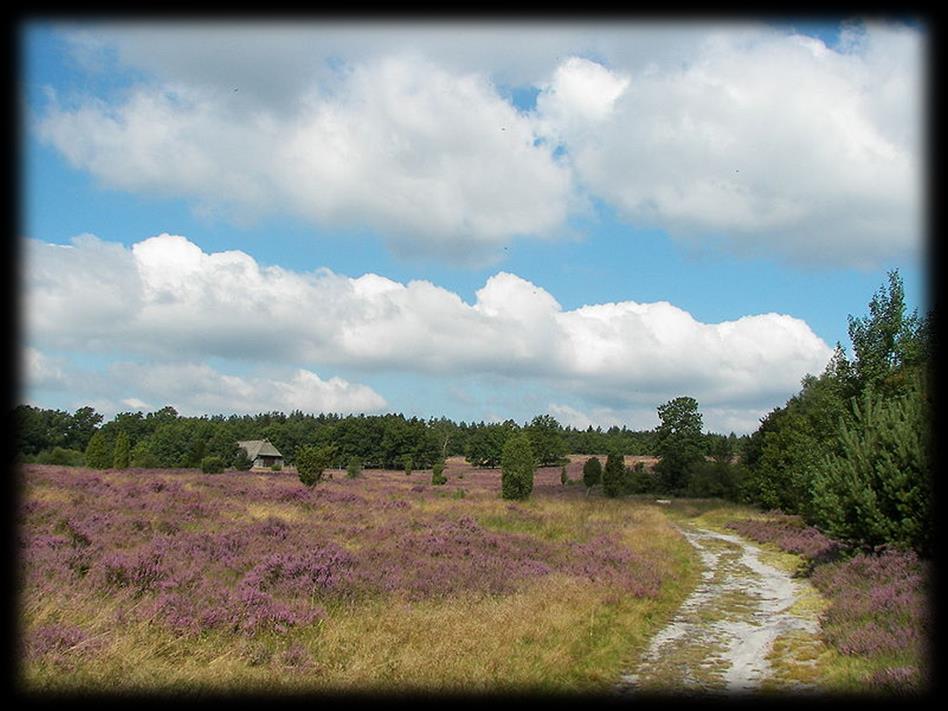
(719,640)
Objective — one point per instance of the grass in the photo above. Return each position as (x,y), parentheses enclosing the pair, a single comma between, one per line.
(559,632)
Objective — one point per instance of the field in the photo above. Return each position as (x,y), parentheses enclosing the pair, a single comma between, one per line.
(178,581)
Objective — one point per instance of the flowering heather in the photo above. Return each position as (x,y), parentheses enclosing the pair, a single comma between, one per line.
(878,604)
(788,533)
(247,553)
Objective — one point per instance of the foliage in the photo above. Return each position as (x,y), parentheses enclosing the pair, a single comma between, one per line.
(212,465)
(679,442)
(592,472)
(354,468)
(407,464)
(613,474)
(546,440)
(486,443)
(564,477)
(99,452)
(637,480)
(121,454)
(877,489)
(242,461)
(517,466)
(437,473)
(62,456)
(311,462)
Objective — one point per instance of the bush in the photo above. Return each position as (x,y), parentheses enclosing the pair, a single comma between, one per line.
(242,462)
(612,475)
(61,456)
(437,473)
(121,454)
(638,481)
(354,468)
(98,452)
(212,465)
(517,463)
(564,477)
(406,461)
(311,462)
(276,467)
(592,473)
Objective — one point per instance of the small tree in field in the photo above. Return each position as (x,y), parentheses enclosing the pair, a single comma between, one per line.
(311,462)
(354,469)
(99,455)
(122,452)
(564,477)
(517,465)
(407,463)
(612,475)
(592,473)
(437,473)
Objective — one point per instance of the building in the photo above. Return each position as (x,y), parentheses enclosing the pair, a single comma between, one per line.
(261,453)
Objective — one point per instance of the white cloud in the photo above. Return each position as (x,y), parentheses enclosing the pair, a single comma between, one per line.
(171,300)
(762,141)
(437,162)
(778,145)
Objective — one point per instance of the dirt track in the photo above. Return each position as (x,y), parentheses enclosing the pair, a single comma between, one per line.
(719,640)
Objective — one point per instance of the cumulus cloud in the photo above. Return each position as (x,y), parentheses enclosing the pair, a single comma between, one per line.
(170,299)
(436,162)
(779,145)
(195,388)
(762,141)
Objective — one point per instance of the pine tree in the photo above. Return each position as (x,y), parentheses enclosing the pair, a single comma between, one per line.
(122,451)
(877,488)
(612,475)
(517,466)
(592,473)
(99,455)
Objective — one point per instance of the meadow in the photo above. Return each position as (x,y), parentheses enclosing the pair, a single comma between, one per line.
(158,580)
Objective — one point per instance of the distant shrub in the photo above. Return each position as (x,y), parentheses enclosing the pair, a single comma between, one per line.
(242,462)
(276,467)
(98,452)
(458,494)
(592,472)
(437,473)
(311,462)
(121,454)
(564,478)
(62,457)
(638,481)
(354,468)
(143,457)
(212,465)
(612,475)
(406,461)
(517,464)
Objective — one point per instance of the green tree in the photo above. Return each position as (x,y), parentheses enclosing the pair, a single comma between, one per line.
(878,488)
(212,464)
(311,462)
(99,452)
(592,473)
(122,452)
(546,440)
(437,473)
(679,442)
(517,466)
(354,468)
(407,464)
(613,474)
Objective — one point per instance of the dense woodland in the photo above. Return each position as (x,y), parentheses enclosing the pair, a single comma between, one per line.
(850,452)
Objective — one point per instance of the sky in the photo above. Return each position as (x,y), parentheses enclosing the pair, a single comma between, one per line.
(476,220)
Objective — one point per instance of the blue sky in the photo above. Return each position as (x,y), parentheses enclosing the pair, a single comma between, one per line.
(554,198)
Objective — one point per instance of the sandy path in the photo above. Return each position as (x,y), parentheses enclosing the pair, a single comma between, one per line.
(719,639)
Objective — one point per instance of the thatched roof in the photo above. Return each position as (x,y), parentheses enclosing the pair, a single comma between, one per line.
(258,447)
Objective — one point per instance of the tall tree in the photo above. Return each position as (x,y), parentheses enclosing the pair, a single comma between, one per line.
(679,442)
(517,465)
(612,474)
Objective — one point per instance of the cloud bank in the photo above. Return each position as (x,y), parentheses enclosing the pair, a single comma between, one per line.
(743,137)
(167,300)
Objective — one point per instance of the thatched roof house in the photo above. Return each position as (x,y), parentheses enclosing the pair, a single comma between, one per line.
(263,454)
